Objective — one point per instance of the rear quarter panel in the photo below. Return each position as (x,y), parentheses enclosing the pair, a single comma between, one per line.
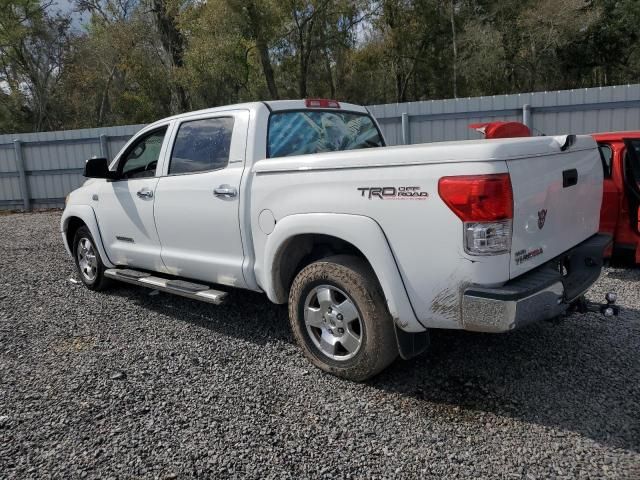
(424,235)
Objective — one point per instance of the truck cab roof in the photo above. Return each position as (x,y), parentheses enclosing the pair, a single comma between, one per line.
(280,105)
(272,105)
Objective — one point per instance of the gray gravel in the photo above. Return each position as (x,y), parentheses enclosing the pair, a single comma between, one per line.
(124,384)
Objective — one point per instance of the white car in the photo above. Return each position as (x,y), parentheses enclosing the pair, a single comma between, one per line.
(371,246)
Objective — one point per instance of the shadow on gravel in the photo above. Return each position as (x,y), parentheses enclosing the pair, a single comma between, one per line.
(245,315)
(628,274)
(575,375)
(624,259)
(569,375)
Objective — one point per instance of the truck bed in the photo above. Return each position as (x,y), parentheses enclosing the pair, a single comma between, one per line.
(398,188)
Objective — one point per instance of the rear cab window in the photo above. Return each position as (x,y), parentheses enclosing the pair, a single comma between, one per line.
(302,132)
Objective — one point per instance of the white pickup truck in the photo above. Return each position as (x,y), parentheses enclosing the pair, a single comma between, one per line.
(371,246)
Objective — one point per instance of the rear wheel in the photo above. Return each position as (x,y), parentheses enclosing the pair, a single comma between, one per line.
(88,261)
(339,318)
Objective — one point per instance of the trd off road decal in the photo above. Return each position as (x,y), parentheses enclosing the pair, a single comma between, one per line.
(393,193)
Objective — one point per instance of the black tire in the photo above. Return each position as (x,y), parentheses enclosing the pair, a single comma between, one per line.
(97,281)
(354,278)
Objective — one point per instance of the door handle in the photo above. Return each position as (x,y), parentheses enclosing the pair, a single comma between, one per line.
(225,191)
(145,193)
(569,178)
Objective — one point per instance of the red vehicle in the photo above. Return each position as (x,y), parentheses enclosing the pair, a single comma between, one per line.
(620,212)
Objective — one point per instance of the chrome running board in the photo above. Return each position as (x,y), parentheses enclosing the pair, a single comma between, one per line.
(196,291)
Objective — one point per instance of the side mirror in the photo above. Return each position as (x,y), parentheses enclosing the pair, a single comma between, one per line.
(98,168)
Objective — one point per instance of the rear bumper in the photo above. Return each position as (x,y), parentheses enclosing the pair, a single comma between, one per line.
(540,294)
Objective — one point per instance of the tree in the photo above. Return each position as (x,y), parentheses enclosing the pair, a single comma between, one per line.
(166,16)
(115,73)
(228,72)
(33,46)
(138,60)
(262,21)
(608,51)
(547,28)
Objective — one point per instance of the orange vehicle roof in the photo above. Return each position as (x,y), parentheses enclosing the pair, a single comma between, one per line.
(615,136)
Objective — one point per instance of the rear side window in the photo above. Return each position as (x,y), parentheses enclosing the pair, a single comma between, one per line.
(201,145)
(310,131)
(606,155)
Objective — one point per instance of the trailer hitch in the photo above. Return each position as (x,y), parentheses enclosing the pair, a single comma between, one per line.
(609,309)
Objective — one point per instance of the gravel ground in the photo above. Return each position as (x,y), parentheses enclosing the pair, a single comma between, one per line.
(124,384)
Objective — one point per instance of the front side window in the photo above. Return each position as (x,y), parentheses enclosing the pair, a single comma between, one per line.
(303,132)
(142,157)
(202,145)
(632,160)
(606,155)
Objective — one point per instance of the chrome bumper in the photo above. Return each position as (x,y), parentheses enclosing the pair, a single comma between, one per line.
(541,294)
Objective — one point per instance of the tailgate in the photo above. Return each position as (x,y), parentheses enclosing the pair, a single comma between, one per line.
(557,197)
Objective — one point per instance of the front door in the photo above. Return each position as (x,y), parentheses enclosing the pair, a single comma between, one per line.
(124,206)
(611,193)
(198,199)
(632,180)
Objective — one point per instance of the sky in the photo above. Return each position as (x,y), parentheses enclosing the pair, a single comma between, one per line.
(66,6)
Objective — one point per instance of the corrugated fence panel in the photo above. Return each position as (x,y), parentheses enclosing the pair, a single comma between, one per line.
(53,160)
(589,110)
(7,158)
(10,189)
(53,169)
(53,187)
(9,181)
(583,111)
(59,155)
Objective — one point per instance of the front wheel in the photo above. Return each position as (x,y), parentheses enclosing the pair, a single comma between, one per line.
(339,317)
(88,261)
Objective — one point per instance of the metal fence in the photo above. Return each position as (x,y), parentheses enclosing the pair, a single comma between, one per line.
(587,110)
(39,169)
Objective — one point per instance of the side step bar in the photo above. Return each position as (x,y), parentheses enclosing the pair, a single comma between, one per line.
(195,291)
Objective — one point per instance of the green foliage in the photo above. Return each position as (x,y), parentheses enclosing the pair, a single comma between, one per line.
(33,46)
(115,76)
(139,60)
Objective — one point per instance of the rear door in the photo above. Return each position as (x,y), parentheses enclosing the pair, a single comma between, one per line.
(198,198)
(557,198)
(631,167)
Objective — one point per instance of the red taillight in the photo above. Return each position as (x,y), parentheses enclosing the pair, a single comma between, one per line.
(478,198)
(321,103)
